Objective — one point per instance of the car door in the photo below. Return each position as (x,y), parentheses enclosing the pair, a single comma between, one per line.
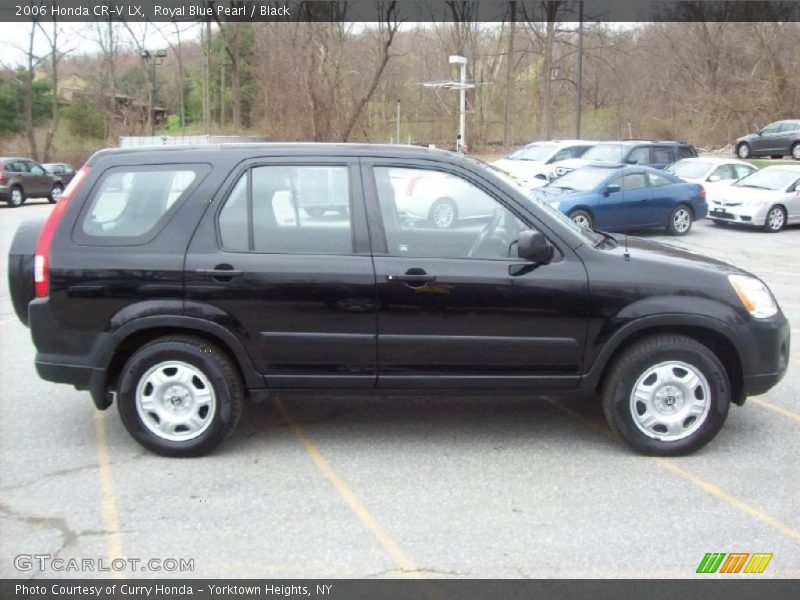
(457,307)
(769,139)
(626,207)
(296,287)
(788,134)
(664,194)
(792,203)
(41,182)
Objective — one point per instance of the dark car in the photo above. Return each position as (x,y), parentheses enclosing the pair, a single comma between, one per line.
(776,140)
(22,178)
(177,282)
(645,153)
(620,198)
(63,171)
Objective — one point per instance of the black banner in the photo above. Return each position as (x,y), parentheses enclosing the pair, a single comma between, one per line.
(400,10)
(732,588)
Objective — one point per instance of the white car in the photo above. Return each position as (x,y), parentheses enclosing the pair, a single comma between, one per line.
(530,164)
(440,199)
(769,198)
(710,172)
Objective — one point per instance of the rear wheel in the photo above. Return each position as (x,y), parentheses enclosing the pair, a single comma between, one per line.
(582,218)
(180,396)
(55,193)
(667,395)
(443,213)
(16,197)
(775,220)
(743,150)
(796,151)
(680,221)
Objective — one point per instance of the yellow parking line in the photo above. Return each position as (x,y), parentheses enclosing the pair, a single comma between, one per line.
(108,505)
(707,487)
(774,408)
(355,504)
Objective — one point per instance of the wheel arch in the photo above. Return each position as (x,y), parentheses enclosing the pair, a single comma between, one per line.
(704,331)
(129,338)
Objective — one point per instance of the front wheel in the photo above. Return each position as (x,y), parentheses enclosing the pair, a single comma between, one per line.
(743,151)
(775,220)
(680,221)
(55,193)
(180,396)
(667,395)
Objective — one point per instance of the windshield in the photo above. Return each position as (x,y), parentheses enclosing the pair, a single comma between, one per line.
(581,180)
(538,152)
(768,179)
(606,152)
(689,169)
(534,197)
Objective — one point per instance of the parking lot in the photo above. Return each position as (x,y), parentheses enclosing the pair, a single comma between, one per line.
(425,486)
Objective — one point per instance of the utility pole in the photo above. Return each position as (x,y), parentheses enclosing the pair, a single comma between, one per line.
(579,79)
(153,59)
(509,59)
(461,61)
(397,138)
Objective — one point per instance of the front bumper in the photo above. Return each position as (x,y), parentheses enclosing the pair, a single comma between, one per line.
(746,215)
(765,354)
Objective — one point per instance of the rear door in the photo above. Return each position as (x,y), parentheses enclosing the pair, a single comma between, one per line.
(661,156)
(788,134)
(456,307)
(769,140)
(297,286)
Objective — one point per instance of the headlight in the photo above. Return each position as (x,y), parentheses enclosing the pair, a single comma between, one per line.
(755,296)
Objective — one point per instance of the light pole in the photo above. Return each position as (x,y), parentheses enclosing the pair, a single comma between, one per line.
(462,100)
(153,59)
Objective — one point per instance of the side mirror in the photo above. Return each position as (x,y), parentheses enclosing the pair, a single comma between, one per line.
(611,189)
(533,246)
(713,178)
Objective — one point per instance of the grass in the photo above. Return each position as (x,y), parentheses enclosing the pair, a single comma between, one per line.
(768,162)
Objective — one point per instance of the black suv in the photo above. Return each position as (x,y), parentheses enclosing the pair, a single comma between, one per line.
(648,153)
(180,281)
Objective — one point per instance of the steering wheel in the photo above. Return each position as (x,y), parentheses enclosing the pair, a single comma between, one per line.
(486,233)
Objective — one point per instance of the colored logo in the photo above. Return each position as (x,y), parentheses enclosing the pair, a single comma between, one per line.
(734,562)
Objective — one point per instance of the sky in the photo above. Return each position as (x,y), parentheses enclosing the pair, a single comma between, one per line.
(77,37)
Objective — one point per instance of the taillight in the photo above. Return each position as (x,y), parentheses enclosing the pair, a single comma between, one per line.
(702,193)
(41,260)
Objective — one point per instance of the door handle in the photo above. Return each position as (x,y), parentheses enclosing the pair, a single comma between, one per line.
(413,277)
(221,273)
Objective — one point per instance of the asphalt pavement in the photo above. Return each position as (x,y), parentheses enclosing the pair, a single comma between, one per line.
(423,486)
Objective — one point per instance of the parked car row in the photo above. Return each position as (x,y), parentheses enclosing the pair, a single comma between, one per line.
(22,178)
(776,140)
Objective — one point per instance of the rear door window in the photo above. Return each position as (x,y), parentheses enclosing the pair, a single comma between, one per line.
(686,152)
(129,205)
(662,155)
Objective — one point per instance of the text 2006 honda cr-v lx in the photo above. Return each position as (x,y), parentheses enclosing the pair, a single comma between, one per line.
(178,282)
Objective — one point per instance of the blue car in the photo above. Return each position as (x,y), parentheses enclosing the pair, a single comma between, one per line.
(621,197)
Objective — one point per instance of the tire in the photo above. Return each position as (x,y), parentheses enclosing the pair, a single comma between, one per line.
(16,197)
(443,214)
(743,150)
(582,218)
(680,220)
(775,219)
(199,389)
(796,151)
(55,193)
(654,416)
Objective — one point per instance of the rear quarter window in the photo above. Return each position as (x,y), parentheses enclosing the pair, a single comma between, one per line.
(130,205)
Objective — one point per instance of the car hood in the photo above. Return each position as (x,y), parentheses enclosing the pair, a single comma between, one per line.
(521,169)
(749,137)
(659,252)
(552,193)
(573,163)
(738,194)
